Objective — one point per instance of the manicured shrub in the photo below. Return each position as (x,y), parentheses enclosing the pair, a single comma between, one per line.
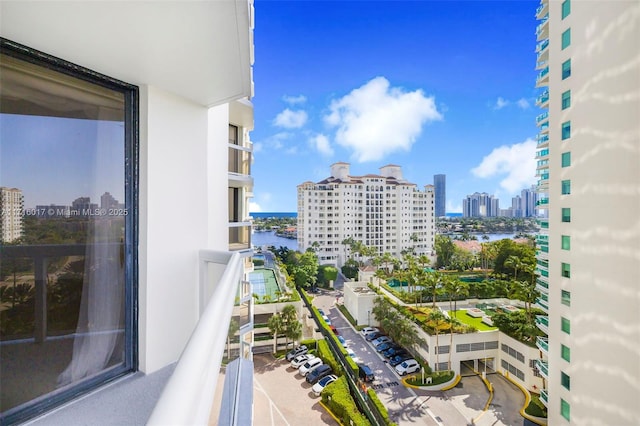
(342,405)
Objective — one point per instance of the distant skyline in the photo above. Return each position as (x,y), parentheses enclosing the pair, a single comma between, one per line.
(437,87)
(57,160)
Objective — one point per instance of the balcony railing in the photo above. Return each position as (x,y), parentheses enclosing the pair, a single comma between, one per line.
(543,98)
(189,394)
(542,117)
(543,367)
(542,321)
(239,236)
(543,77)
(542,139)
(239,160)
(542,202)
(540,47)
(543,344)
(542,30)
(544,397)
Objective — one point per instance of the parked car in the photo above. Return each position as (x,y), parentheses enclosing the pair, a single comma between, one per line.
(321,312)
(301,359)
(392,350)
(307,366)
(381,347)
(342,341)
(353,355)
(300,350)
(326,319)
(399,359)
(381,339)
(365,373)
(318,373)
(373,336)
(368,330)
(334,329)
(407,367)
(323,383)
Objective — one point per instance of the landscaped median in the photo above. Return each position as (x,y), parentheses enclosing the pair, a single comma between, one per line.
(441,380)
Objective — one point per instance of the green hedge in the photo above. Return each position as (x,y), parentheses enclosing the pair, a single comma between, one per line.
(327,356)
(337,397)
(347,315)
(380,406)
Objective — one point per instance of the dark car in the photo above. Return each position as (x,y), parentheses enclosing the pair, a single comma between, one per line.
(384,346)
(365,373)
(318,373)
(399,359)
(393,351)
(300,350)
(374,335)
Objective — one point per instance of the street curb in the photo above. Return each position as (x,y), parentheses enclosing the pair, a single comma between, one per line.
(527,400)
(330,413)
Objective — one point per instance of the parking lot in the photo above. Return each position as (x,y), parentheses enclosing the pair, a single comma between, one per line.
(282,397)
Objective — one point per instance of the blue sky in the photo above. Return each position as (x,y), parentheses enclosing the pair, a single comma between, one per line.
(433,86)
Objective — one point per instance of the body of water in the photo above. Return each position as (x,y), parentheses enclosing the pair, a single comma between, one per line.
(279,215)
(260,239)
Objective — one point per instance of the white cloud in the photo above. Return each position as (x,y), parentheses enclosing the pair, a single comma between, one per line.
(523,103)
(516,161)
(501,103)
(321,144)
(292,100)
(291,119)
(375,120)
(257,147)
(254,207)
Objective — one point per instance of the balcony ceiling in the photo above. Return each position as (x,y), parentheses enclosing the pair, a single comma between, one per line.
(200,50)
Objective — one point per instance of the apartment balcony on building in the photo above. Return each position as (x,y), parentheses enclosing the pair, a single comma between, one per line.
(543,99)
(543,368)
(542,322)
(542,10)
(543,140)
(542,30)
(543,77)
(544,397)
(543,344)
(542,302)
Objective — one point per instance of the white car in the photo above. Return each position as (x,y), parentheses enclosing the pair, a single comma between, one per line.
(319,387)
(368,330)
(309,365)
(326,319)
(353,355)
(301,359)
(407,367)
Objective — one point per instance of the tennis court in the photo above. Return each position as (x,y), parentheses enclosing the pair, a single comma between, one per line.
(264,282)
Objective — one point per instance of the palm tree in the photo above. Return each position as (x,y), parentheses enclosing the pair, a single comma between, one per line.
(291,326)
(276,326)
(437,319)
(453,322)
(514,262)
(431,283)
(455,288)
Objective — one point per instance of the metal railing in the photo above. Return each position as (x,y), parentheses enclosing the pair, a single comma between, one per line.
(189,394)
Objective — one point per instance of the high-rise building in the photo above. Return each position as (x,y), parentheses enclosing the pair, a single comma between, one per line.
(382,210)
(480,205)
(11,211)
(440,187)
(589,173)
(529,198)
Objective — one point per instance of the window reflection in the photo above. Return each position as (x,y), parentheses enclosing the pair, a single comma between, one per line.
(62,278)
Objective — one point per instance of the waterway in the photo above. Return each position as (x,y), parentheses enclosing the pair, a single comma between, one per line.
(261,239)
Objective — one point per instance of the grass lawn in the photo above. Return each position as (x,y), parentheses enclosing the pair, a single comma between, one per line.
(469,320)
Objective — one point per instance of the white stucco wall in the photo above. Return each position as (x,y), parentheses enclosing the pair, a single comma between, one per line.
(173,222)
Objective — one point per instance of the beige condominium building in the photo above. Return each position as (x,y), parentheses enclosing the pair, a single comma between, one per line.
(589,179)
(11,210)
(382,210)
